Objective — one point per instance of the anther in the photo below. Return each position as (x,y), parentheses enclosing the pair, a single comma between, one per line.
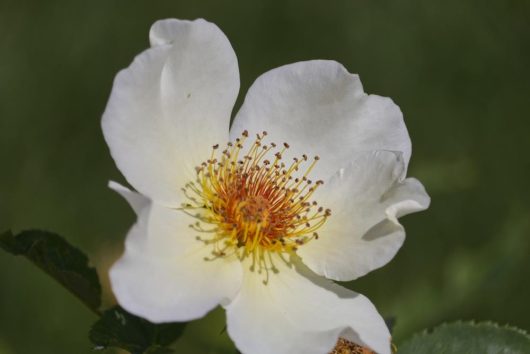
(254,206)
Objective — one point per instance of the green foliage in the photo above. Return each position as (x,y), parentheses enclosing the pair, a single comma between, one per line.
(118,328)
(60,260)
(69,266)
(470,338)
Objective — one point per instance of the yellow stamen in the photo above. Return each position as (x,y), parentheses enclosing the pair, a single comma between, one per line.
(254,207)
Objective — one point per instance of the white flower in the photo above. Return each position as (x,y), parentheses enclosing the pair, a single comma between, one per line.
(240,224)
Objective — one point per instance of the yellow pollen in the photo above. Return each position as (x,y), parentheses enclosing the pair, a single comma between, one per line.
(252,204)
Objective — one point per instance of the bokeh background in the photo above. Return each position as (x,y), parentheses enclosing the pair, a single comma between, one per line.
(459,70)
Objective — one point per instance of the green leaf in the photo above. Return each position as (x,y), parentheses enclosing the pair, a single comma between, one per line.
(63,262)
(469,338)
(118,328)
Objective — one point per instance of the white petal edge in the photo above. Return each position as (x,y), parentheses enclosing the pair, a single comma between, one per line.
(298,312)
(319,108)
(170,106)
(136,201)
(363,232)
(163,277)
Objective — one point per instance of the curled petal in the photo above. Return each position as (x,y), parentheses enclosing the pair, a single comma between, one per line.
(363,233)
(137,201)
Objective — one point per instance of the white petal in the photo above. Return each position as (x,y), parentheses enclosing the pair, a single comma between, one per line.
(320,109)
(200,81)
(299,312)
(163,276)
(170,106)
(363,233)
(137,201)
(164,31)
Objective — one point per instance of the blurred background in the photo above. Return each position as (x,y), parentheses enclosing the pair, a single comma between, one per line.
(459,70)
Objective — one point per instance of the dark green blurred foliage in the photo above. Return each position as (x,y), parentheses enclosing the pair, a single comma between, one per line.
(118,328)
(61,261)
(459,70)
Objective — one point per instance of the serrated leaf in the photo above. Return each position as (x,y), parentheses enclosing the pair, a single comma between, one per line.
(62,261)
(121,329)
(469,338)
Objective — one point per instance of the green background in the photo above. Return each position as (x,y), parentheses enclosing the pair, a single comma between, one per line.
(459,70)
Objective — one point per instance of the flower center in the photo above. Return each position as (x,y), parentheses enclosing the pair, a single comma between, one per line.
(251,203)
